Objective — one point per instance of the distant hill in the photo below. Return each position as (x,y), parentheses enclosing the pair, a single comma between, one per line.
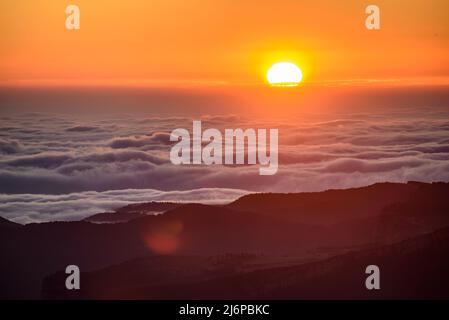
(132,211)
(4,223)
(333,206)
(411,269)
(303,228)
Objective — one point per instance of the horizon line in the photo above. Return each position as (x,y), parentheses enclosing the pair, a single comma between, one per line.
(167,83)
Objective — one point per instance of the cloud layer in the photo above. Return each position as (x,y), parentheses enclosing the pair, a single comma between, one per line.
(27,208)
(49,157)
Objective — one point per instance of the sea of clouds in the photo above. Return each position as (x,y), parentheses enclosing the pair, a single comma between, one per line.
(66,167)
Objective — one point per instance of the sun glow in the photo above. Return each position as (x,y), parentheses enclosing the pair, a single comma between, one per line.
(284,74)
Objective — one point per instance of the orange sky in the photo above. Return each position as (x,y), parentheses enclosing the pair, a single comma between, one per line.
(221,41)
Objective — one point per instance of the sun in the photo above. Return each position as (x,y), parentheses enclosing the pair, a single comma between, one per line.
(284,74)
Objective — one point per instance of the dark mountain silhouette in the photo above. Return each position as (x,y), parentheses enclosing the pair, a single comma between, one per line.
(411,269)
(333,206)
(261,226)
(132,211)
(4,223)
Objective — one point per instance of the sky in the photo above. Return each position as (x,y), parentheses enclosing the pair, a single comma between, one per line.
(176,42)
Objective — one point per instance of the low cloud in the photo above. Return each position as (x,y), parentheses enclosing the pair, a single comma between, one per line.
(56,155)
(81,129)
(29,208)
(8,146)
(140,141)
(41,160)
(367,166)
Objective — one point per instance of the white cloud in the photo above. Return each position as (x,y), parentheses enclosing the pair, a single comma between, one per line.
(56,155)
(27,208)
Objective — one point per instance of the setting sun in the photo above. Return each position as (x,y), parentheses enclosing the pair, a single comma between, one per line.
(284,74)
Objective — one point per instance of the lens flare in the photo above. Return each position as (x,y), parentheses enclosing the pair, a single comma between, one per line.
(164,238)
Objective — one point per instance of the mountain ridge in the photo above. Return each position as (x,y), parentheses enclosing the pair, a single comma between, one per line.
(31,252)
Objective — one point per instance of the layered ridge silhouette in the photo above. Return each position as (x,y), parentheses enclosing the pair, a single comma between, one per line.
(307,245)
(411,269)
